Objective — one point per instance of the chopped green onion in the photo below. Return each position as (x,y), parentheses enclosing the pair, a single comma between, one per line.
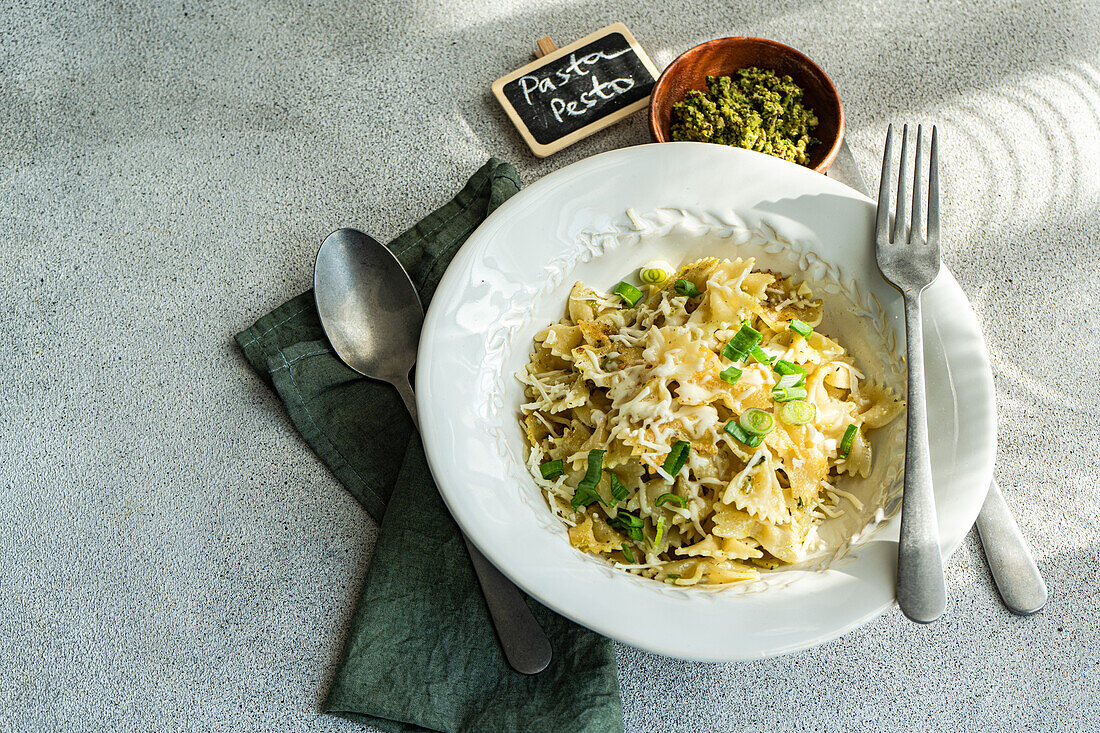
(627,553)
(744,341)
(677,457)
(628,293)
(586,490)
(785,367)
(673,576)
(761,357)
(583,497)
(627,519)
(552,469)
(846,441)
(788,367)
(666,498)
(660,533)
(618,491)
(739,433)
(788,394)
(802,328)
(791,380)
(655,272)
(594,471)
(756,421)
(630,524)
(687,287)
(797,412)
(730,375)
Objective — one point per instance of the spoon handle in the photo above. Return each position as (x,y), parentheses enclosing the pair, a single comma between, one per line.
(404,388)
(524,642)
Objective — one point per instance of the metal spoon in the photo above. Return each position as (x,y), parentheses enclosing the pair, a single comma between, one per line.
(372,316)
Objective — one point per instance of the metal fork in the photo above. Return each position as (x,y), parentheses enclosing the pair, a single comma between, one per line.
(911,263)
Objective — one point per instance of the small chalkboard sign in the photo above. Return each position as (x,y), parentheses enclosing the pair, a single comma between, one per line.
(572,92)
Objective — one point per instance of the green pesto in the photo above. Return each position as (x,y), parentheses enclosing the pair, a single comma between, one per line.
(758,110)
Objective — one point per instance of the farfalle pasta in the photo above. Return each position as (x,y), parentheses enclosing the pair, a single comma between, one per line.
(693,433)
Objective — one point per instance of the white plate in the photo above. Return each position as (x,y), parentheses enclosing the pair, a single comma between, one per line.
(685,199)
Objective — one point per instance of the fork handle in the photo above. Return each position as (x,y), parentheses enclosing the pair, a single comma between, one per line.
(920,587)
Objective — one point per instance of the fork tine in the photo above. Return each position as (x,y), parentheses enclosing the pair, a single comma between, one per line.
(915,222)
(903,175)
(882,223)
(934,193)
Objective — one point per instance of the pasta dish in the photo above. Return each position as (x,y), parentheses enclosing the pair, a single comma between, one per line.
(692,430)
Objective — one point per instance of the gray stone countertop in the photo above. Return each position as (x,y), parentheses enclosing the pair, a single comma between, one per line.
(172,555)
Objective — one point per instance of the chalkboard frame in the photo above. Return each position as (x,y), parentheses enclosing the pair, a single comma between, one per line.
(543,150)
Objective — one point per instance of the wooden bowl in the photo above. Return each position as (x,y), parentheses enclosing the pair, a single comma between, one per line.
(724,57)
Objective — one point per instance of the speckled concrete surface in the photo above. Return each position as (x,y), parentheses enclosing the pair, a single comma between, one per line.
(173,557)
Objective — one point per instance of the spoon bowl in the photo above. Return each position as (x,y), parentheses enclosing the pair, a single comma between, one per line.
(369,308)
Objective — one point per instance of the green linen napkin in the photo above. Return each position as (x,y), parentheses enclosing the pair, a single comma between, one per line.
(421,653)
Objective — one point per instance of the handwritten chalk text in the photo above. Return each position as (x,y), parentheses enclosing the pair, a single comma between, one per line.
(575,69)
(592,97)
